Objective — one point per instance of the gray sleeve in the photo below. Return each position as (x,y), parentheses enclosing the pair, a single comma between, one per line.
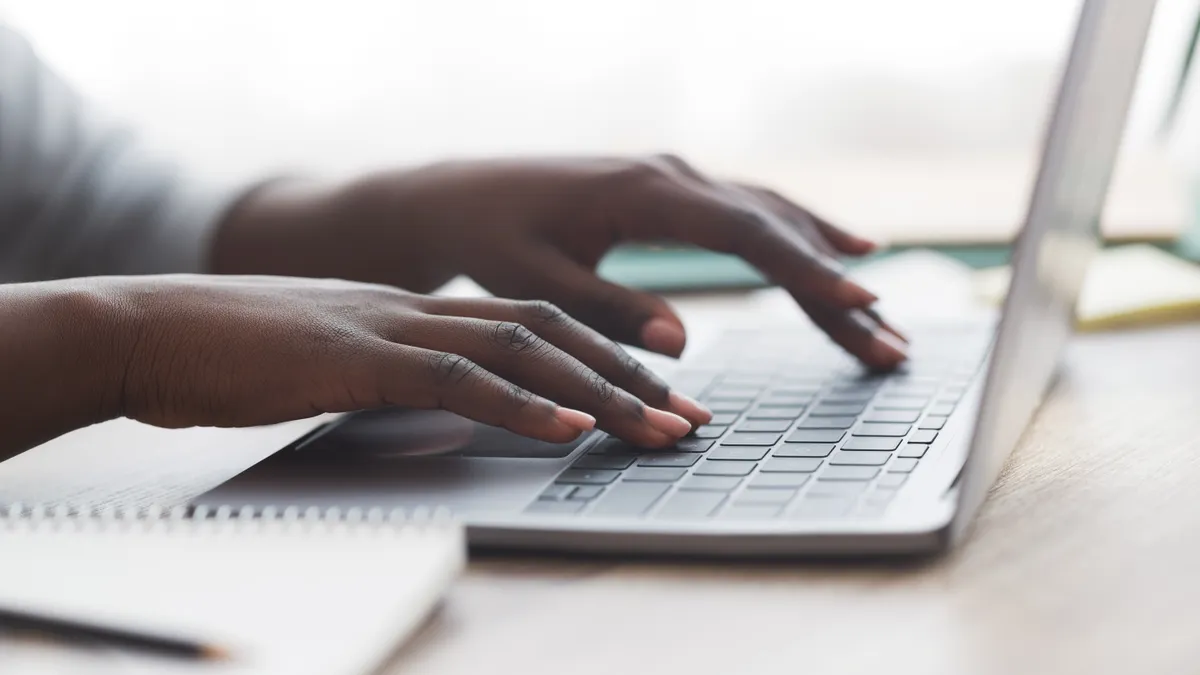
(79,196)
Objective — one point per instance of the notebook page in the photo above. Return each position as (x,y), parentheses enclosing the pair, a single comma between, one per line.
(297,598)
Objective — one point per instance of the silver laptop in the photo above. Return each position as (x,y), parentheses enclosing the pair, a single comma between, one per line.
(808,454)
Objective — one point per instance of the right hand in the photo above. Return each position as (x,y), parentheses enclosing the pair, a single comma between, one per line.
(245,351)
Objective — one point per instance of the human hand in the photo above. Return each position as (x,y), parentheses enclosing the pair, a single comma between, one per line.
(245,351)
(537,229)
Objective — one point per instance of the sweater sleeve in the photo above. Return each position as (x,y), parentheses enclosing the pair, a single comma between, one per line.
(79,196)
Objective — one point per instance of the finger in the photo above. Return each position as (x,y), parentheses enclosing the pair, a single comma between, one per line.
(597,352)
(841,240)
(621,313)
(719,220)
(406,376)
(518,355)
(860,335)
(806,226)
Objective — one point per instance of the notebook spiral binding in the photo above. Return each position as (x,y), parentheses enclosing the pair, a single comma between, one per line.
(17,516)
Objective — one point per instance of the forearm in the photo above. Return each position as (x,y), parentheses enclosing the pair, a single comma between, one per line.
(60,360)
(320,230)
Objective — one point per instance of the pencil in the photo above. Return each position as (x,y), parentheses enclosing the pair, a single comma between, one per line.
(78,631)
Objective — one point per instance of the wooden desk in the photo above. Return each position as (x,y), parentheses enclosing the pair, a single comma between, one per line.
(1084,560)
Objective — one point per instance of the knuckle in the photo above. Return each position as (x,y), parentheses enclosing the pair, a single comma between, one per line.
(545,312)
(638,372)
(520,397)
(449,369)
(601,388)
(514,337)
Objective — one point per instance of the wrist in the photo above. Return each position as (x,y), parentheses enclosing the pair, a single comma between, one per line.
(66,345)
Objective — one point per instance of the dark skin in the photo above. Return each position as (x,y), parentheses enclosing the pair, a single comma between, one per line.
(295,341)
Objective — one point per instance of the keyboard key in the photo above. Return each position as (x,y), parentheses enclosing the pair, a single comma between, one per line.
(823,507)
(729,405)
(555,507)
(849,397)
(585,492)
(692,383)
(740,454)
(791,465)
(684,505)
(868,429)
(934,422)
(892,416)
(808,392)
(724,418)
(629,499)
(901,402)
(902,465)
(764,439)
(749,511)
(654,475)
(763,425)
(919,390)
(837,488)
(724,468)
(671,459)
(708,431)
(614,446)
(860,458)
(925,436)
(839,410)
(816,436)
(890,481)
(913,450)
(850,473)
(779,480)
(587,476)
(871,443)
(714,483)
(761,413)
(803,450)
(941,409)
(556,492)
(692,445)
(616,462)
(827,423)
(773,495)
(776,401)
(734,392)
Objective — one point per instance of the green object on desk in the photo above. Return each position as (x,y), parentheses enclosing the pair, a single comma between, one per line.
(679,269)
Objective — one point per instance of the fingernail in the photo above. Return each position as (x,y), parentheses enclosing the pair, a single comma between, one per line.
(854,294)
(689,408)
(575,418)
(889,348)
(874,314)
(663,336)
(668,423)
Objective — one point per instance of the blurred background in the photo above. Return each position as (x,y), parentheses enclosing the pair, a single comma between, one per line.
(910,121)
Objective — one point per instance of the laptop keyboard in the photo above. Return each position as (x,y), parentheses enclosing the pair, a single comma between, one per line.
(796,433)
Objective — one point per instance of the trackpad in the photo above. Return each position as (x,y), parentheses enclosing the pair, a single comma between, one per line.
(429,433)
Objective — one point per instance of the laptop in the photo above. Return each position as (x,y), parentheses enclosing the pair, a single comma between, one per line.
(808,454)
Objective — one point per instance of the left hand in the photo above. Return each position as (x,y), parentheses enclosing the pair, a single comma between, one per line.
(537,229)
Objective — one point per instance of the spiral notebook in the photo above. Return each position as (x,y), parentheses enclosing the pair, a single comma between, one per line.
(293,593)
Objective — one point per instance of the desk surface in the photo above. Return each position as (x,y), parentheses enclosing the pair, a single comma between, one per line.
(1084,560)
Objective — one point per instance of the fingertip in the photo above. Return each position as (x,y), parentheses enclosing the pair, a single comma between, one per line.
(576,419)
(854,295)
(664,336)
(668,423)
(689,408)
(887,350)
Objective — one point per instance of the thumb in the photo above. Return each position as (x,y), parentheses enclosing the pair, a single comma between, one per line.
(622,314)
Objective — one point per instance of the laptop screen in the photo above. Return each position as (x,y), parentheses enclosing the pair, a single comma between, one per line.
(1060,235)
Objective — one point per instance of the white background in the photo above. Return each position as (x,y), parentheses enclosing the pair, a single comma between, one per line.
(243,86)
